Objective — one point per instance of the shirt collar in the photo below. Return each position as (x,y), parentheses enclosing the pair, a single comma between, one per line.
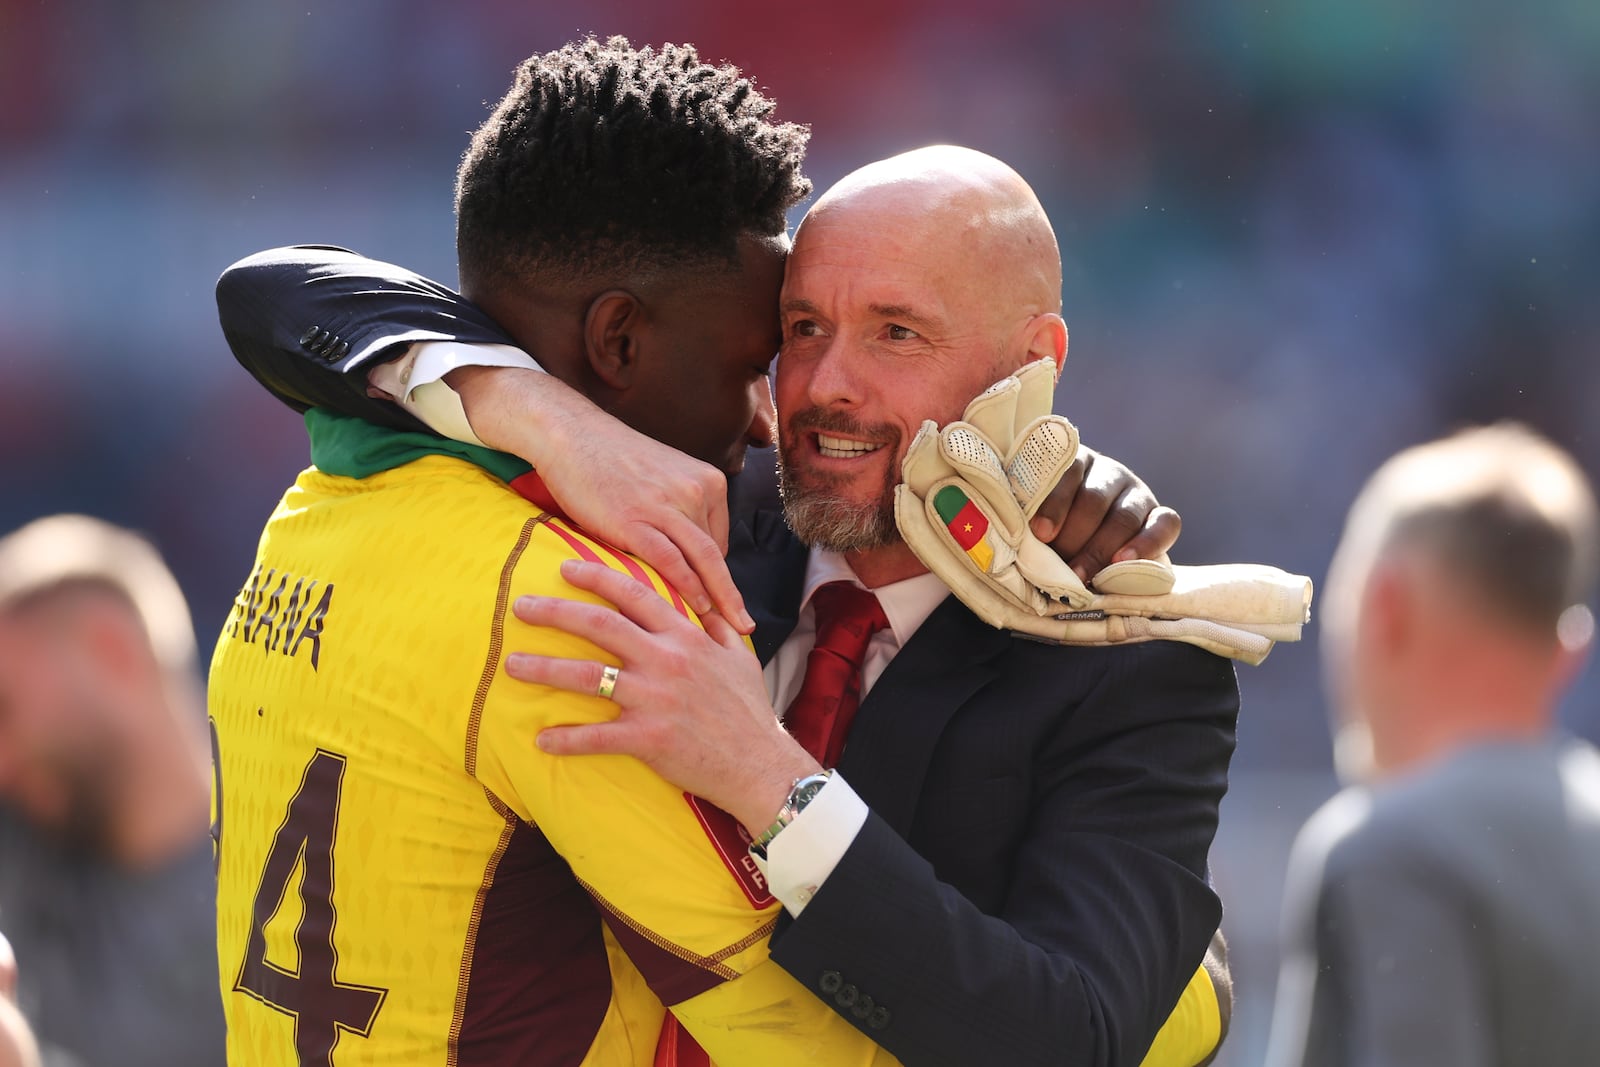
(907,603)
(348,447)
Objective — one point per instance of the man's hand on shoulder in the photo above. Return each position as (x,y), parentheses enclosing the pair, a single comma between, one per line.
(692,703)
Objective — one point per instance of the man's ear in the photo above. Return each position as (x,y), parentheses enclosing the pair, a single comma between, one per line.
(610,337)
(1047,339)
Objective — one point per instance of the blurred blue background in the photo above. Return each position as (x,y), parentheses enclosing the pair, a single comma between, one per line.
(1297,237)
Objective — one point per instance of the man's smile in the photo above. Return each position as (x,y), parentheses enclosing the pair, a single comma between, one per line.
(844,447)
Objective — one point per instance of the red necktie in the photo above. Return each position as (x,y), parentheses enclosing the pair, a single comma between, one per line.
(819,718)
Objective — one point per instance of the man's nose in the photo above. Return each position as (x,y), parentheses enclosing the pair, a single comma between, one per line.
(831,381)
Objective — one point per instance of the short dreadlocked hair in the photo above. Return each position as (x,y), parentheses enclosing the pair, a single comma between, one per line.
(607,159)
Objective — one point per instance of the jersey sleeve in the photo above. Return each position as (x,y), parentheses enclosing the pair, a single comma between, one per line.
(672,880)
(1193,1030)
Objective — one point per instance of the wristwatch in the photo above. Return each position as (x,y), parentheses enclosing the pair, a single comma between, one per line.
(800,794)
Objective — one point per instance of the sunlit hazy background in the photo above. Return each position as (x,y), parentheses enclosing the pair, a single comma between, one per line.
(1297,237)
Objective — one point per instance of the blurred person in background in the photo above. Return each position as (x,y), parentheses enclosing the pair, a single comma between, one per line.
(1446,909)
(106,882)
(17,1046)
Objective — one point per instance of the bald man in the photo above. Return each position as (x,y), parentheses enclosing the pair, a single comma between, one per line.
(106,878)
(1008,862)
(1445,907)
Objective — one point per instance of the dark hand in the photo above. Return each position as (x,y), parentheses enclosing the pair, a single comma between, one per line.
(1102,513)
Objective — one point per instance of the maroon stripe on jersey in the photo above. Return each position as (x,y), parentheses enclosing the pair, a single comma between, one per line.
(539,983)
(671,977)
(673,974)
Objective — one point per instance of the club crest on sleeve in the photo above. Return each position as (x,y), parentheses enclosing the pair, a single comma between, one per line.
(733,845)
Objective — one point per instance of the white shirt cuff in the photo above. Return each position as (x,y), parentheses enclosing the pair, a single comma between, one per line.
(416,381)
(806,851)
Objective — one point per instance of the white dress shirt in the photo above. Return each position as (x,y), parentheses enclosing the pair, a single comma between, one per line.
(416,381)
(802,856)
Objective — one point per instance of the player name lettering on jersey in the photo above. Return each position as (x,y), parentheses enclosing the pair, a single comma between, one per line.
(280,616)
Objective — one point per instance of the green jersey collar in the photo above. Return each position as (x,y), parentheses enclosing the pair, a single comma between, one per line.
(353,448)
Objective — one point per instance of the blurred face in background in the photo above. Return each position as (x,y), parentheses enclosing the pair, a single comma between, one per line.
(57,745)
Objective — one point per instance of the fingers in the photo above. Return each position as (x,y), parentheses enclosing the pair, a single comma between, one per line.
(625,632)
(1123,517)
(1048,521)
(1160,533)
(573,675)
(723,632)
(638,602)
(587,739)
(658,550)
(1102,512)
(704,553)
(698,494)
(717,516)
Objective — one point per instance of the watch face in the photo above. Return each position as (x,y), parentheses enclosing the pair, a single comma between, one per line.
(807,789)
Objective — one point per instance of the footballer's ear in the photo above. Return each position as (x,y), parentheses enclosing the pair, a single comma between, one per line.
(610,337)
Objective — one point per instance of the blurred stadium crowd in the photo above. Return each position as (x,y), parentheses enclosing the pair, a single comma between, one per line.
(1297,237)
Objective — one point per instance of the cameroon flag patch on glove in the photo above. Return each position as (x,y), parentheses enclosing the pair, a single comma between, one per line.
(967,525)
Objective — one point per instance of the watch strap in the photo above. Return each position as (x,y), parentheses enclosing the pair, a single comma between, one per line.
(800,794)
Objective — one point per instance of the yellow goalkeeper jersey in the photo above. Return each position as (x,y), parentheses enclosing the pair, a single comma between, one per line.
(403,877)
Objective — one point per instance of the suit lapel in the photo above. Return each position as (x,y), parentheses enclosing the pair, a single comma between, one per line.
(949,659)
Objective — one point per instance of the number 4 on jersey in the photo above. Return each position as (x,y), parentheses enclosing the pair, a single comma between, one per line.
(322,1006)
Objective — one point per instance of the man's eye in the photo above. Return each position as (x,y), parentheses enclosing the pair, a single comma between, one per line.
(804,328)
(901,333)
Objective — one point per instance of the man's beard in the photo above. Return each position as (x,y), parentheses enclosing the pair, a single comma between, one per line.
(815,511)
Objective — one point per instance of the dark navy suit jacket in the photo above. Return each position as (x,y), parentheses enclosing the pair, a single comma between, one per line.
(1030,886)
